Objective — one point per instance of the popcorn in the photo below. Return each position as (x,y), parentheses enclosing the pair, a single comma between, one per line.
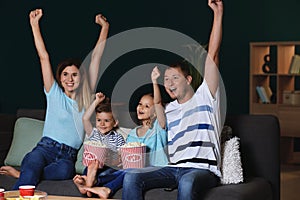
(133,144)
(94,143)
(133,155)
(94,150)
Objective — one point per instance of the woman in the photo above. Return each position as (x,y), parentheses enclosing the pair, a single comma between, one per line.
(67,97)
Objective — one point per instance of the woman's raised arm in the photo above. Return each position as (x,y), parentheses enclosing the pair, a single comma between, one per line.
(47,73)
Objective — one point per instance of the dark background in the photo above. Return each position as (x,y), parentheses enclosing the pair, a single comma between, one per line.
(69,31)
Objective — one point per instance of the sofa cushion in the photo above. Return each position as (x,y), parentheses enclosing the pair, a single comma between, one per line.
(79,165)
(231,168)
(27,133)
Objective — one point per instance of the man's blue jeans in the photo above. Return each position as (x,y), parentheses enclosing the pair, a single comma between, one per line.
(49,160)
(192,183)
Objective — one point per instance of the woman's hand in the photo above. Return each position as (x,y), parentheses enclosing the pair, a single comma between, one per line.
(35,16)
(101,20)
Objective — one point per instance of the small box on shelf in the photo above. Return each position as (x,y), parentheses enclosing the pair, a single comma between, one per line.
(296,98)
(287,97)
(291,97)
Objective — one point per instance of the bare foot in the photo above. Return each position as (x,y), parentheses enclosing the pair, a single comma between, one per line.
(80,182)
(91,173)
(10,171)
(102,192)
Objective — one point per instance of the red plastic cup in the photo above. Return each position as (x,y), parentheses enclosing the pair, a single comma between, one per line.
(26,190)
(2,192)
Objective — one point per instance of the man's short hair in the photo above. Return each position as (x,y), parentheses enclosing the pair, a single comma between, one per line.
(189,70)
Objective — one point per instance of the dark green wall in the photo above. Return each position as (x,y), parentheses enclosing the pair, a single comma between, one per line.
(69,31)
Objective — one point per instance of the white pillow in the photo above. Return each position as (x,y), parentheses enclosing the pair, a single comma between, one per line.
(232,171)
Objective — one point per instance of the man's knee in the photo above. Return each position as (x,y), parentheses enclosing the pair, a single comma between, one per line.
(186,184)
(130,177)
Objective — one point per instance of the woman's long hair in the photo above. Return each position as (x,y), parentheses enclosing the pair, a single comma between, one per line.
(83,96)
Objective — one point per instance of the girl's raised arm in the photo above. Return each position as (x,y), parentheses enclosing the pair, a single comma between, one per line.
(159,109)
(47,73)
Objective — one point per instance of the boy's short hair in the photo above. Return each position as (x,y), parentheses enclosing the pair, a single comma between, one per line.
(104,106)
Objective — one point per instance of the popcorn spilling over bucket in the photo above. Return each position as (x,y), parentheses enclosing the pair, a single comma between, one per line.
(92,151)
(133,155)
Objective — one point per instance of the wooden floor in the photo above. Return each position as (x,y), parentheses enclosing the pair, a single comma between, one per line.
(290,182)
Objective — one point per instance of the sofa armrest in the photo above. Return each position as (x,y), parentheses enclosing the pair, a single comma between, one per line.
(7,122)
(260,146)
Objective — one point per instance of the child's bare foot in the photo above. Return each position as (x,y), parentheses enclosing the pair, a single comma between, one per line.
(102,192)
(80,182)
(10,171)
(91,173)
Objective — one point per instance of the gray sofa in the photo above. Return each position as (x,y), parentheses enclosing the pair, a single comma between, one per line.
(259,144)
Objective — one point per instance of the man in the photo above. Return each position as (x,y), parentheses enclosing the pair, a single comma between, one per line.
(194,127)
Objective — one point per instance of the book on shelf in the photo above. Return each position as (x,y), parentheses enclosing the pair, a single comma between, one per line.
(295,65)
(263,94)
(268,92)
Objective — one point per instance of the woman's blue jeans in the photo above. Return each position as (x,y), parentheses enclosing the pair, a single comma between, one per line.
(49,160)
(192,183)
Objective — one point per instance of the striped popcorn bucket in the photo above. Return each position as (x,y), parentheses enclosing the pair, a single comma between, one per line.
(133,157)
(92,152)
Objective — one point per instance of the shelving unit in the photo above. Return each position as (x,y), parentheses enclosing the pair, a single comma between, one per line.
(279,80)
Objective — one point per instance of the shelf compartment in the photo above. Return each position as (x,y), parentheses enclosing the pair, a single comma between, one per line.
(260,108)
(289,123)
(284,57)
(257,54)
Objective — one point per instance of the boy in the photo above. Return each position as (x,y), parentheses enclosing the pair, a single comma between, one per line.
(104,132)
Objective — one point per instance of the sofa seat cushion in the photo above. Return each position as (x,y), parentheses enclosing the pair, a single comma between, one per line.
(62,188)
(7,182)
(252,188)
